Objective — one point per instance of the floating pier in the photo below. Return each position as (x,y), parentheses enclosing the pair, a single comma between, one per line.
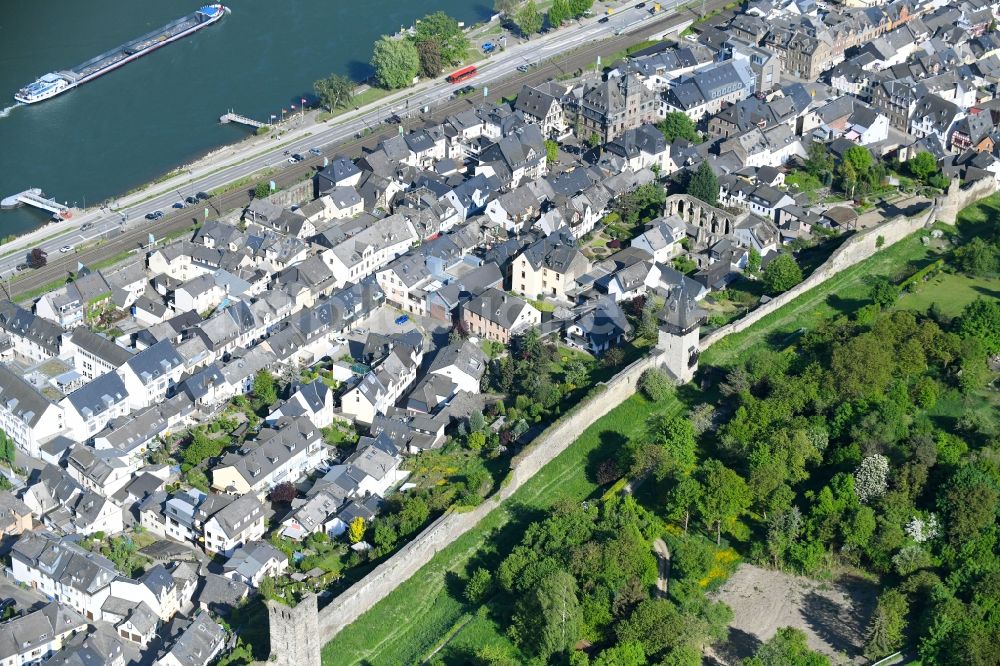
(233,117)
(35,197)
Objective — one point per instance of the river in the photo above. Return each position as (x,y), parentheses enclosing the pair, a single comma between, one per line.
(146,118)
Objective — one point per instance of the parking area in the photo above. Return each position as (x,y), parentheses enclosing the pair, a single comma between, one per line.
(24,599)
(387,321)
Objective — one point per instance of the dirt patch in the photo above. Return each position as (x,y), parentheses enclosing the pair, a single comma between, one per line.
(834,615)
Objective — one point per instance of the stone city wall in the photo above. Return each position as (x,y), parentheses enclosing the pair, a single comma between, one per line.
(855,249)
(957,197)
(364,594)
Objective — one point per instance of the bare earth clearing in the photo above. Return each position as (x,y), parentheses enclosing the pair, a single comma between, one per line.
(834,615)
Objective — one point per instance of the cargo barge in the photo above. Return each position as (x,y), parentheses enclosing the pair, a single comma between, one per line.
(55,83)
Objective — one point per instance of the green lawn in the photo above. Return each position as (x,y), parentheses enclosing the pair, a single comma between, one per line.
(412,621)
(844,293)
(951,291)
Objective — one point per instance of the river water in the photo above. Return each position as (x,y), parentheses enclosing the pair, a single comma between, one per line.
(160,111)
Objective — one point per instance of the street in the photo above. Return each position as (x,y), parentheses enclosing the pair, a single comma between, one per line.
(495,79)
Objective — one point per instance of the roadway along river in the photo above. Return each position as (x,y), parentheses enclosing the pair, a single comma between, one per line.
(131,125)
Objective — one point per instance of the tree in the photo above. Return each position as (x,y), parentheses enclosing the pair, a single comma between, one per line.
(981,319)
(335,91)
(593,140)
(655,384)
(725,498)
(559,12)
(871,478)
(704,185)
(551,151)
(922,166)
(977,257)
(528,19)
(859,158)
(882,291)
(396,62)
(261,190)
(479,586)
(283,493)
(819,163)
(677,125)
(7,448)
(782,274)
(753,262)
(684,498)
(264,389)
(787,648)
(580,7)
(444,31)
(548,619)
(629,653)
(430,59)
(847,178)
(356,530)
(676,435)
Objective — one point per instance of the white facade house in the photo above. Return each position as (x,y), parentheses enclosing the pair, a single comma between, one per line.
(662,239)
(148,375)
(369,250)
(64,571)
(36,636)
(89,408)
(27,416)
(381,387)
(227,522)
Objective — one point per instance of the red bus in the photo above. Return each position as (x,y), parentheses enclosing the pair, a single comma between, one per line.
(462,74)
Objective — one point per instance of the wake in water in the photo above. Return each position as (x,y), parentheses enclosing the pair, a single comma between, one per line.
(6,112)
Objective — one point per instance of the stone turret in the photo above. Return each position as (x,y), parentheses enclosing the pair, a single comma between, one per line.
(295,637)
(680,323)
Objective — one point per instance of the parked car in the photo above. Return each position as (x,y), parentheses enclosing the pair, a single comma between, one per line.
(154,215)
(191,201)
(316,151)
(21,267)
(178,205)
(297,157)
(489,47)
(402,319)
(522,68)
(203,196)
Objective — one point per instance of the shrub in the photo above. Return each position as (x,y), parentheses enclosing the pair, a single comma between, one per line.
(655,383)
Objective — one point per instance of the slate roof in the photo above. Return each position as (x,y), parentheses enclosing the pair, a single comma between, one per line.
(21,398)
(25,633)
(64,561)
(498,307)
(467,357)
(233,514)
(198,641)
(18,321)
(100,346)
(99,395)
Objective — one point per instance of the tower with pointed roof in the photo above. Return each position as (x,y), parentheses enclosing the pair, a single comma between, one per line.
(680,322)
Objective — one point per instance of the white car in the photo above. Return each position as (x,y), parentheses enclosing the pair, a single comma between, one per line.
(66,248)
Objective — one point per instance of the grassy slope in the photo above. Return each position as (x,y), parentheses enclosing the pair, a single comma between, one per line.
(412,620)
(844,293)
